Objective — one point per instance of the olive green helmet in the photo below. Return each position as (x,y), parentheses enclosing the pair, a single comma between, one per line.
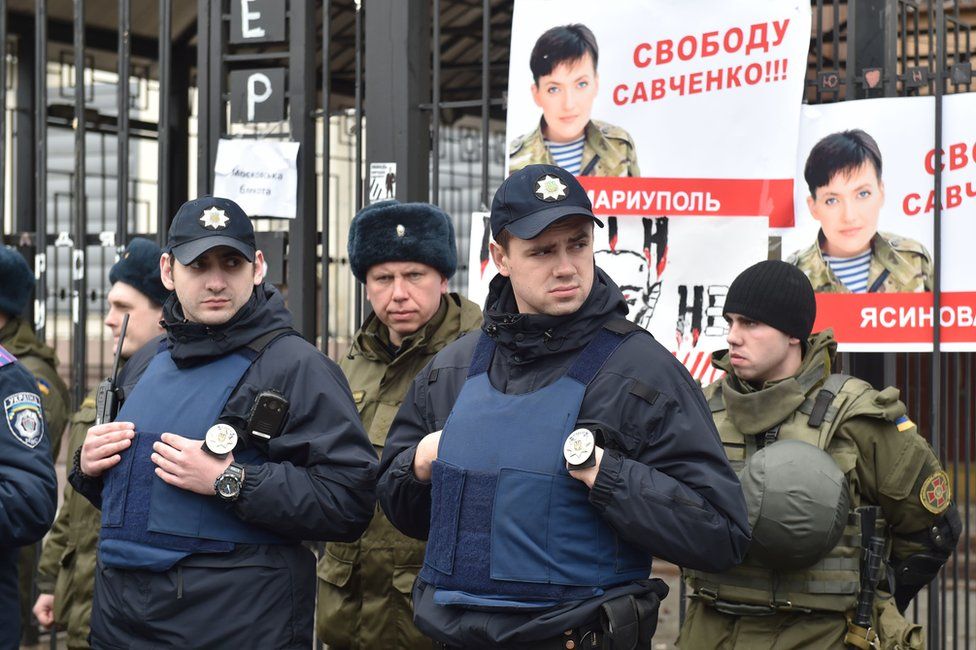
(798,504)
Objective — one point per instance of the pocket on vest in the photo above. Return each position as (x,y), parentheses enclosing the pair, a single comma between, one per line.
(520,526)
(116,488)
(447,486)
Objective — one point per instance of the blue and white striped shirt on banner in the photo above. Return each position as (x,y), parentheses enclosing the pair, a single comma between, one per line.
(569,156)
(852,271)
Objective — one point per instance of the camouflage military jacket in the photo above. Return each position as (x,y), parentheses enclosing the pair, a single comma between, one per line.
(18,337)
(608,151)
(898,265)
(364,586)
(888,464)
(67,565)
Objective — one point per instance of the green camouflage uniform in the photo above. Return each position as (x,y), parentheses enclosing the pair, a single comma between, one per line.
(67,566)
(609,146)
(886,463)
(364,586)
(902,265)
(20,340)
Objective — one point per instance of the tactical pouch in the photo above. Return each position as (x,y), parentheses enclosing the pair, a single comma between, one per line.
(629,622)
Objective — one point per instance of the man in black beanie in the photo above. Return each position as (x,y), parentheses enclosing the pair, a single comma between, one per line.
(862,457)
(404,253)
(66,580)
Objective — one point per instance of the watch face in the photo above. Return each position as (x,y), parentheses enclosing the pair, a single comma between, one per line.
(221,438)
(579,445)
(228,486)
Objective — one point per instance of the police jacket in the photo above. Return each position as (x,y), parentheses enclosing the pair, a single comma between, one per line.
(664,484)
(318,483)
(28,484)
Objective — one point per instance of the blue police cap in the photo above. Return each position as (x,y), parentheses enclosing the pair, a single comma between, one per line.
(208,222)
(535,197)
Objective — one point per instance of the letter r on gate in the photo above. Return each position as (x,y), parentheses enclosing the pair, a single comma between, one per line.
(253,98)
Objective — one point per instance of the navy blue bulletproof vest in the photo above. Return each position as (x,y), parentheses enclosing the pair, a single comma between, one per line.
(146,523)
(510,528)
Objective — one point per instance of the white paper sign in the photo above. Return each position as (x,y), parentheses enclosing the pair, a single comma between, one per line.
(259,175)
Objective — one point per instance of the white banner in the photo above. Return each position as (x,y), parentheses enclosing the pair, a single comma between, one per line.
(259,175)
(708,92)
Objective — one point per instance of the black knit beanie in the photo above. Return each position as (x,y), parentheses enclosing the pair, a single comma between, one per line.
(16,281)
(139,268)
(777,294)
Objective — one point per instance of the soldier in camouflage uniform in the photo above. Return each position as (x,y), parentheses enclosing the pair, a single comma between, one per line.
(66,580)
(404,254)
(843,174)
(780,389)
(17,336)
(563,64)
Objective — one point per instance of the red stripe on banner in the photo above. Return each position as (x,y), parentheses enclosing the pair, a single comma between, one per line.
(716,197)
(897,317)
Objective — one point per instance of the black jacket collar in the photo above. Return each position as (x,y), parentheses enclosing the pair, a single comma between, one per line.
(531,336)
(193,343)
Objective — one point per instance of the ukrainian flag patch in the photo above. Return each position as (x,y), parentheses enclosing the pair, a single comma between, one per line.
(904,424)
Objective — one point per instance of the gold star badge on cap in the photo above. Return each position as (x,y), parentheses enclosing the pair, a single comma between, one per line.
(400,230)
(550,189)
(214,218)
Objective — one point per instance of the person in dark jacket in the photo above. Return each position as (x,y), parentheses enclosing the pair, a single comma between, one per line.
(66,571)
(548,457)
(28,484)
(236,440)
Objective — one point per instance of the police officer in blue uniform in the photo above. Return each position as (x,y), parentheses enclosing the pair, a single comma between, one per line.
(236,439)
(548,457)
(28,484)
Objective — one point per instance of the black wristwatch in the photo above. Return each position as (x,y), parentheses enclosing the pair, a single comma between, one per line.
(220,440)
(228,485)
(579,450)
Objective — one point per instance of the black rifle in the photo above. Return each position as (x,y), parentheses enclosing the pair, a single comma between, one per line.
(860,633)
(107,400)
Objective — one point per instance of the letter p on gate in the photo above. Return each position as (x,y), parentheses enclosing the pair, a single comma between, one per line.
(254,96)
(257,95)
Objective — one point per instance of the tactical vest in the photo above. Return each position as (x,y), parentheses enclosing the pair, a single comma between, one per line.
(510,528)
(833,582)
(147,523)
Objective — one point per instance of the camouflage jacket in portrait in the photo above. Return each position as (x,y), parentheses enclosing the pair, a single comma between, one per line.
(898,265)
(608,151)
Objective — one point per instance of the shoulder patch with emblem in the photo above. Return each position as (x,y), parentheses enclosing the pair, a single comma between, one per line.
(43,386)
(935,494)
(24,417)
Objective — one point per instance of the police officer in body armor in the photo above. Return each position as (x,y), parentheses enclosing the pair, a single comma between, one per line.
(404,254)
(547,457)
(236,440)
(66,571)
(28,484)
(842,490)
